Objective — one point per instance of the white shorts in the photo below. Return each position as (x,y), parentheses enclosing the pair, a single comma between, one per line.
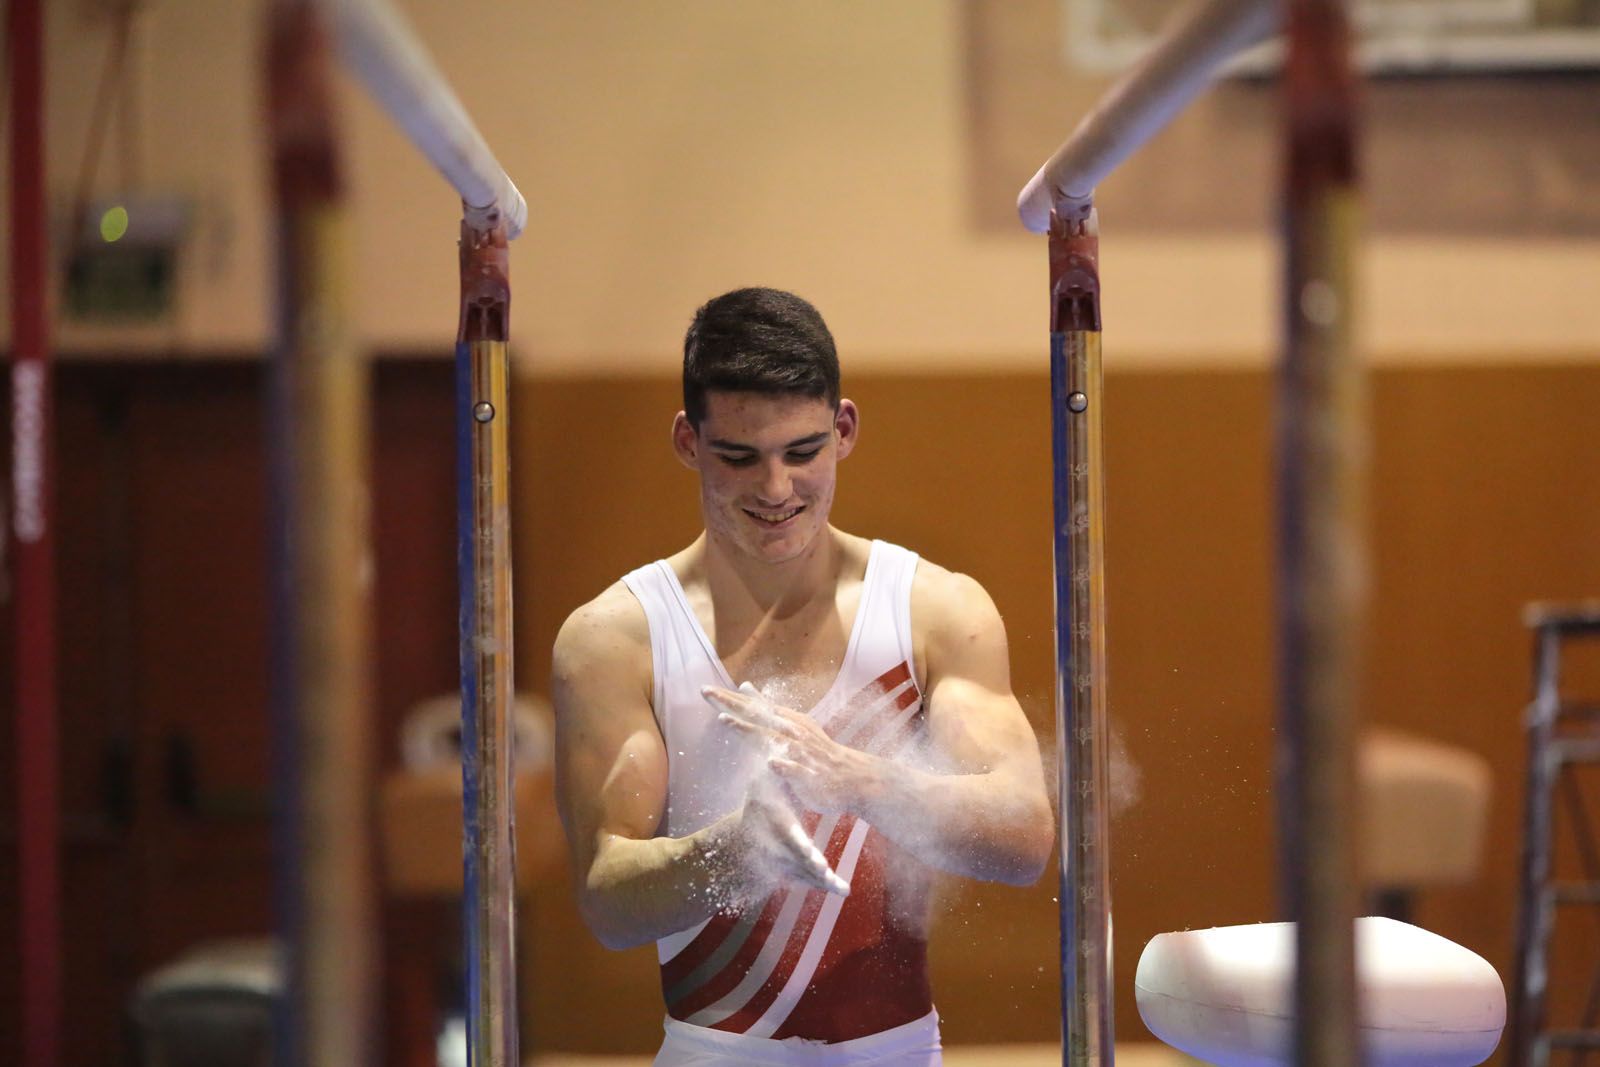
(913,1044)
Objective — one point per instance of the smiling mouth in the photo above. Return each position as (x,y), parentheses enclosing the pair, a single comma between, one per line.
(774,518)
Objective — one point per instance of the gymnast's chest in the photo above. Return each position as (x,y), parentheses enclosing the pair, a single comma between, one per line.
(794,661)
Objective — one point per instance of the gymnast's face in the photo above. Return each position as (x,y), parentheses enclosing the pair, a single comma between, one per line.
(767,465)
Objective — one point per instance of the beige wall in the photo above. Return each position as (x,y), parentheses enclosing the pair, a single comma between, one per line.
(670,151)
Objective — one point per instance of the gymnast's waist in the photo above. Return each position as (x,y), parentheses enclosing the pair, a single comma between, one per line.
(897,1044)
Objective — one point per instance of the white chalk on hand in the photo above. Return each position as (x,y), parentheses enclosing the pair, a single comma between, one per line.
(797,833)
(833,883)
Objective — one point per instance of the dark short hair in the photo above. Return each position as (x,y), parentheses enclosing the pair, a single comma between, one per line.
(757,341)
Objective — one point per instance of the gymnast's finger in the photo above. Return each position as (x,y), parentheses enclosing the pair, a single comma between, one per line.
(745,726)
(825,877)
(788,768)
(766,702)
(804,870)
(818,873)
(753,709)
(732,700)
(793,720)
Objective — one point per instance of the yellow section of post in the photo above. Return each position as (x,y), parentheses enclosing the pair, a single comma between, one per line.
(323,571)
(1323,424)
(1322,523)
(326,398)
(492,1026)
(1084,783)
(1082,729)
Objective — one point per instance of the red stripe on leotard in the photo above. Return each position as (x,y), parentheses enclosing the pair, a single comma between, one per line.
(866,738)
(742,1019)
(872,974)
(723,982)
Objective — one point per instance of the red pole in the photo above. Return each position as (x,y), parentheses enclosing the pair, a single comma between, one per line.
(38,801)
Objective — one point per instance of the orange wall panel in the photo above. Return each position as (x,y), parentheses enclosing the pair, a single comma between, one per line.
(1484,497)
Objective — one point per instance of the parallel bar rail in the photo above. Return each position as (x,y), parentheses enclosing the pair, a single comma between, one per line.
(380,47)
(1177,69)
(1059,200)
(1322,449)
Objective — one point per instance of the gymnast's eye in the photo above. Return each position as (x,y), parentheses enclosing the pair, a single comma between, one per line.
(739,460)
(804,456)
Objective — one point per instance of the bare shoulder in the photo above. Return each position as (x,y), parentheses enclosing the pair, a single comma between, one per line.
(947,603)
(955,624)
(608,635)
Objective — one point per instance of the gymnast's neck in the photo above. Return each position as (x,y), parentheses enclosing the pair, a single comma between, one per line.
(775,589)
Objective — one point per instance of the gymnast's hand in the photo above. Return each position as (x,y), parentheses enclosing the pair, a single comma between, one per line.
(823,775)
(780,843)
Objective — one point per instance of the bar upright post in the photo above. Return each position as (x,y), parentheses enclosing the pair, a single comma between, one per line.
(1322,454)
(322,570)
(1081,726)
(483,373)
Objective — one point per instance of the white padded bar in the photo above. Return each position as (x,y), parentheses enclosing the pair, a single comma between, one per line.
(1177,68)
(378,44)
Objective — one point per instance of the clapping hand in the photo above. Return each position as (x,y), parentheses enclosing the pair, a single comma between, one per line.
(767,812)
(825,775)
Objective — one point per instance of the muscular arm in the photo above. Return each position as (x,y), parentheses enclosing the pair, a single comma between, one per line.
(611,783)
(984,813)
(634,886)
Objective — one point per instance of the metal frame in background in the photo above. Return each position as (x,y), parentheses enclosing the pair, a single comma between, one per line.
(1562,735)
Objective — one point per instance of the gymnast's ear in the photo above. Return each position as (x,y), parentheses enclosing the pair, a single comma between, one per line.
(847,424)
(685,441)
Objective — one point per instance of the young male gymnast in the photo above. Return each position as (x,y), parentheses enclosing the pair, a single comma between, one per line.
(768,742)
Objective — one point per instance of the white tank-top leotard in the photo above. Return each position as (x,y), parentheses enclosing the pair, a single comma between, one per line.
(801,970)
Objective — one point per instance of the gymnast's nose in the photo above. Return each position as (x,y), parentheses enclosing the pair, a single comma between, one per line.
(776,483)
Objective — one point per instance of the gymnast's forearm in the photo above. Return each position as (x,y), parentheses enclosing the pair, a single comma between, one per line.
(637,891)
(990,826)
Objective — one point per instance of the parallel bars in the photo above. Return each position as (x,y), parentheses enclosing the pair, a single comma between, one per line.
(1321,449)
(324,556)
